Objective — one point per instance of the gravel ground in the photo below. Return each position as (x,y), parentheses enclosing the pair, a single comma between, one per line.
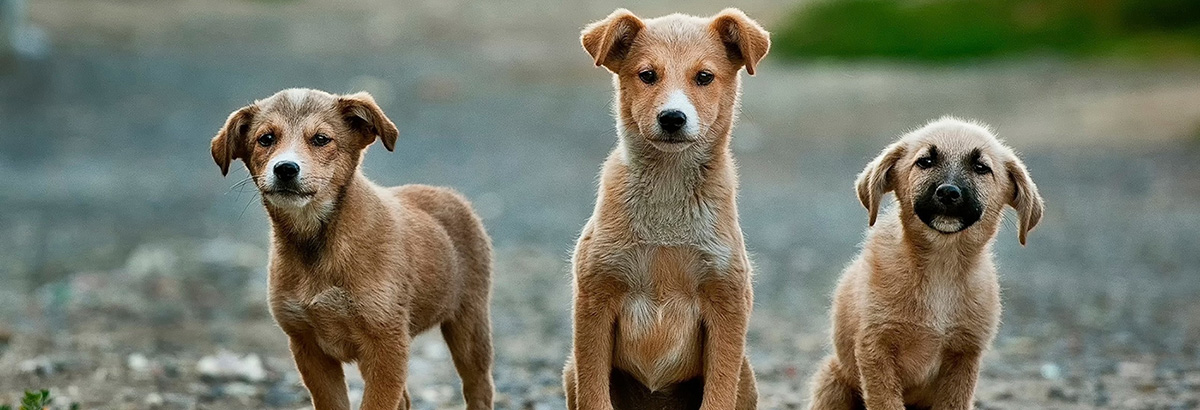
(133,276)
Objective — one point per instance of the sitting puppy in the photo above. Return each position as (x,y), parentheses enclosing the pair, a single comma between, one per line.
(913,314)
(356,270)
(662,280)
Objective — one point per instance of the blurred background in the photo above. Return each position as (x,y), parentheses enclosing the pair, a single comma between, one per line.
(132,275)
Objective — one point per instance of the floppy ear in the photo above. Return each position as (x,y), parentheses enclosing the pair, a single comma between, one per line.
(876,179)
(1026,199)
(230,142)
(609,40)
(364,115)
(746,42)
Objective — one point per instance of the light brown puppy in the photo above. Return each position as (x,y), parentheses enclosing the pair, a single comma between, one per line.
(913,314)
(357,269)
(662,281)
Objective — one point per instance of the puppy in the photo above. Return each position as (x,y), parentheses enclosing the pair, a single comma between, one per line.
(662,291)
(915,311)
(356,269)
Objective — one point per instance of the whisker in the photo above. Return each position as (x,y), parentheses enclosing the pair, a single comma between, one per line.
(241,182)
(246,207)
(236,187)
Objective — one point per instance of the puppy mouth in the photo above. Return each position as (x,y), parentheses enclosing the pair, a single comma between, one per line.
(947,221)
(671,139)
(947,224)
(290,193)
(673,142)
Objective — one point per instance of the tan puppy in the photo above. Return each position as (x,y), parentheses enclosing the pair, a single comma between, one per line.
(915,311)
(662,281)
(356,269)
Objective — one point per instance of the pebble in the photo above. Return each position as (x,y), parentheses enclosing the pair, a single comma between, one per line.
(138,363)
(40,365)
(153,399)
(1135,370)
(1051,371)
(239,389)
(227,365)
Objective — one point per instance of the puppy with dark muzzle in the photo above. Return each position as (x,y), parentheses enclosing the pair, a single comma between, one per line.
(356,269)
(914,313)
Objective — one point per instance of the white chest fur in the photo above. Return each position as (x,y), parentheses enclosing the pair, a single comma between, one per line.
(659,338)
(942,297)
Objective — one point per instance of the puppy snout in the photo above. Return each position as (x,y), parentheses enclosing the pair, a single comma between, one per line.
(671,120)
(948,194)
(286,170)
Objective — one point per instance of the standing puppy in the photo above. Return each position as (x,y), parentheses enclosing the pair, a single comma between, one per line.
(915,311)
(356,269)
(662,281)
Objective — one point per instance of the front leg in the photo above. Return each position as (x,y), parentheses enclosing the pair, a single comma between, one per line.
(725,308)
(321,373)
(875,353)
(593,345)
(383,360)
(956,380)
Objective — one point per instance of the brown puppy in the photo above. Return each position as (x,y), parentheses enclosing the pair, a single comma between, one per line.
(356,269)
(915,311)
(662,281)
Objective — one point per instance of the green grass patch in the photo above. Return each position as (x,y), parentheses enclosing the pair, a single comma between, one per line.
(950,30)
(36,400)
(33,400)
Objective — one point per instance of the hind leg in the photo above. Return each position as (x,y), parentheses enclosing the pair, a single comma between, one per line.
(469,336)
(830,391)
(747,395)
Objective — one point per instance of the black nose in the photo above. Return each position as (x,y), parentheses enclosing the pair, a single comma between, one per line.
(671,120)
(286,170)
(948,194)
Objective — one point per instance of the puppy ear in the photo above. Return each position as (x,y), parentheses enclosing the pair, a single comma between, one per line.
(608,41)
(876,179)
(364,115)
(746,42)
(1025,199)
(230,142)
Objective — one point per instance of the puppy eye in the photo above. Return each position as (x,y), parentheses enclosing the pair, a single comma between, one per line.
(320,140)
(648,76)
(925,162)
(981,169)
(704,78)
(266,140)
